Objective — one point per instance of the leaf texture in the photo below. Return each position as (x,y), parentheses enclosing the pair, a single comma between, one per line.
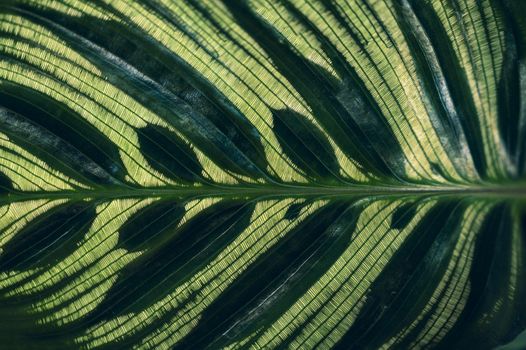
(272,174)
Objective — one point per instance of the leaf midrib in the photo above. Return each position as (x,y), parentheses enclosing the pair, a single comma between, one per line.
(511,190)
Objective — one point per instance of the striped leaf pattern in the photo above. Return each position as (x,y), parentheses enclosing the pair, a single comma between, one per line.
(262,174)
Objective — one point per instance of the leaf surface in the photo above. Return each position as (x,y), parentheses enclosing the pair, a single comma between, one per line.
(344,174)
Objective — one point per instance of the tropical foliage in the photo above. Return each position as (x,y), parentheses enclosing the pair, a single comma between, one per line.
(301,174)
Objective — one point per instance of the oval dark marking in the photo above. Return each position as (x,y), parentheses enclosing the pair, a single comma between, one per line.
(400,292)
(49,238)
(287,269)
(319,90)
(6,185)
(403,215)
(136,233)
(295,209)
(170,87)
(173,258)
(305,144)
(58,135)
(169,154)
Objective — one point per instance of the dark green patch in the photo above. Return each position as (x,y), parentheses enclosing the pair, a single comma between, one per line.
(490,316)
(455,76)
(59,136)
(5,183)
(295,209)
(445,118)
(405,285)
(173,257)
(167,85)
(403,215)
(304,144)
(512,118)
(316,87)
(169,154)
(276,279)
(49,238)
(360,113)
(143,227)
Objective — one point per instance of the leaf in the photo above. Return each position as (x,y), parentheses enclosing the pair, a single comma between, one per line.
(168,154)
(60,136)
(304,144)
(49,238)
(262,174)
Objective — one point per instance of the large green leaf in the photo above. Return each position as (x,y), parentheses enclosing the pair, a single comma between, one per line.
(300,174)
